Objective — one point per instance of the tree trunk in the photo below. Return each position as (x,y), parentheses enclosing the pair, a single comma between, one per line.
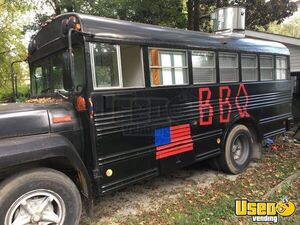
(190,8)
(70,8)
(196,15)
(55,5)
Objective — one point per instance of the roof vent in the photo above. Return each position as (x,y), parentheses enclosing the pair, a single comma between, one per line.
(229,21)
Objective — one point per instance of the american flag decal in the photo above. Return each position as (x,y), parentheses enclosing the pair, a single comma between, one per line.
(173,140)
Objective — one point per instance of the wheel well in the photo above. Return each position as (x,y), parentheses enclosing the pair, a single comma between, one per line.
(57,163)
(257,138)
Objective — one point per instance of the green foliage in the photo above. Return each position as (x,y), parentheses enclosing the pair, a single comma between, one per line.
(11,43)
(191,14)
(289,28)
(258,12)
(261,13)
(23,92)
(159,12)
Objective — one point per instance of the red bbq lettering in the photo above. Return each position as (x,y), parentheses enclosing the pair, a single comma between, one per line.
(205,104)
(223,103)
(244,99)
(206,109)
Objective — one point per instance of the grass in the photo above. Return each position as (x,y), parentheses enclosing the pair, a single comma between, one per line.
(215,205)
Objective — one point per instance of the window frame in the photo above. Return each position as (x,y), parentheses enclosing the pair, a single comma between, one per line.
(281,68)
(120,72)
(256,68)
(169,50)
(236,68)
(206,67)
(264,67)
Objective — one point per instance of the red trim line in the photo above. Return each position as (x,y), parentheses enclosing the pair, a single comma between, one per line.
(163,147)
(178,135)
(184,126)
(175,151)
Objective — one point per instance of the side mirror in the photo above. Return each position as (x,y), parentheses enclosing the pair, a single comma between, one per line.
(68,80)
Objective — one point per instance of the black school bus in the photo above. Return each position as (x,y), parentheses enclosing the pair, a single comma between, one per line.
(131,101)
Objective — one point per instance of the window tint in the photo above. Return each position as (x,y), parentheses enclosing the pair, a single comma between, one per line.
(107,71)
(249,67)
(281,68)
(267,67)
(168,67)
(204,67)
(228,67)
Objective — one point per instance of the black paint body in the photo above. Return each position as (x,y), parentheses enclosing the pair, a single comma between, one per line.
(120,136)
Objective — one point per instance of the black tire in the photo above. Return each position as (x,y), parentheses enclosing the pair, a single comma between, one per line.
(230,161)
(37,181)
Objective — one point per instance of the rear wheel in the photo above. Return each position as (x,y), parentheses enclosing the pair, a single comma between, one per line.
(39,197)
(238,149)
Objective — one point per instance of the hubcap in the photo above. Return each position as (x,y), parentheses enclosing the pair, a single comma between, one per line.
(240,149)
(38,207)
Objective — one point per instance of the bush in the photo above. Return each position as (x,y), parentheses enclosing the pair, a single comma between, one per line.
(23,94)
(5,96)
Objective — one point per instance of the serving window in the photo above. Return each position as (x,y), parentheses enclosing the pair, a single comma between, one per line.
(117,66)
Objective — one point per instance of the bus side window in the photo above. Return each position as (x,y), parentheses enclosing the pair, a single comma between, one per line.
(117,66)
(249,67)
(229,67)
(204,67)
(168,67)
(106,65)
(281,67)
(266,67)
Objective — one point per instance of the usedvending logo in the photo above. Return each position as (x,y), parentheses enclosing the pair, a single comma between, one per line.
(264,211)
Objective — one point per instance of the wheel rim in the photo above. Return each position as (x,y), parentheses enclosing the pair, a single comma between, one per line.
(38,207)
(240,149)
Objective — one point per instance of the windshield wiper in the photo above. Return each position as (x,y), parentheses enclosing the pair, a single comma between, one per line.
(60,94)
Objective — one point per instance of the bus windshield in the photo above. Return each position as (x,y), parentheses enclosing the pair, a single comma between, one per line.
(47,73)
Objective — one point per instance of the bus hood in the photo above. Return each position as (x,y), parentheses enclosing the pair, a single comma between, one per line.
(22,119)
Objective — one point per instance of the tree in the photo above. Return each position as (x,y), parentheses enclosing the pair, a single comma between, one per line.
(262,14)
(289,28)
(159,12)
(258,12)
(191,14)
(11,43)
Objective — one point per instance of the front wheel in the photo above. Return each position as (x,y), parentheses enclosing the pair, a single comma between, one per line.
(39,197)
(238,149)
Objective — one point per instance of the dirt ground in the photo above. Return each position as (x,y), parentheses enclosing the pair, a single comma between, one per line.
(151,195)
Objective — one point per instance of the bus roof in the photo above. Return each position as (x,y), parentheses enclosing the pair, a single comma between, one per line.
(145,34)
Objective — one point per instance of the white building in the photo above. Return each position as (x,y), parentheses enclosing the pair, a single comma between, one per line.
(293,45)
